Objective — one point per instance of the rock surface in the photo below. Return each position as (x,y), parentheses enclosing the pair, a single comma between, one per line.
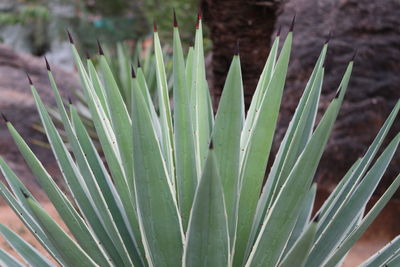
(371,28)
(17,103)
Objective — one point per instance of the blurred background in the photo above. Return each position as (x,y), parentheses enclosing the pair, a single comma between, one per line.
(31,29)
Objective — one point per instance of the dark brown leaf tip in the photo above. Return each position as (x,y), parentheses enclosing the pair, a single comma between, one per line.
(199,17)
(211,146)
(101,52)
(70,37)
(133,74)
(237,48)
(338,93)
(29,79)
(154,26)
(354,55)
(24,193)
(328,38)
(278,33)
(175,20)
(47,64)
(69,100)
(316,218)
(292,25)
(87,54)
(4,118)
(138,63)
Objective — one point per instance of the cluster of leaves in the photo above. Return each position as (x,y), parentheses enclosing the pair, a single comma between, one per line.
(182,187)
(121,61)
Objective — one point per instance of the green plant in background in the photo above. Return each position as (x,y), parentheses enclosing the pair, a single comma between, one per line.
(183,187)
(155,10)
(33,14)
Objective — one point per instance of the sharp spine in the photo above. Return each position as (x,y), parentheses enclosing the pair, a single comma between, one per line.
(292,25)
(101,52)
(278,33)
(237,48)
(328,38)
(354,55)
(133,74)
(70,37)
(175,20)
(29,78)
(4,118)
(47,64)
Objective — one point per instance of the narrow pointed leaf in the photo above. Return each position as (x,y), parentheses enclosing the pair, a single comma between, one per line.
(383,255)
(359,172)
(186,173)
(120,119)
(105,183)
(97,86)
(303,218)
(189,70)
(298,133)
(262,85)
(350,240)
(8,260)
(142,84)
(200,101)
(226,139)
(108,212)
(78,187)
(276,228)
(297,255)
(340,223)
(30,223)
(207,241)
(158,214)
(394,261)
(30,254)
(62,204)
(257,151)
(165,110)
(107,139)
(71,253)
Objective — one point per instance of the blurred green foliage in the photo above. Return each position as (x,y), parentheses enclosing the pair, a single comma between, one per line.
(109,21)
(25,14)
(32,14)
(160,11)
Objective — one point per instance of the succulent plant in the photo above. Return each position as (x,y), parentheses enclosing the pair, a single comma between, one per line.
(179,186)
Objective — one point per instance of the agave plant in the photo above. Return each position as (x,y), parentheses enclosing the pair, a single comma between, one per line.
(186,188)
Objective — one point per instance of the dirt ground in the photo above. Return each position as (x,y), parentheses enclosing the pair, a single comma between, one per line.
(374,239)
